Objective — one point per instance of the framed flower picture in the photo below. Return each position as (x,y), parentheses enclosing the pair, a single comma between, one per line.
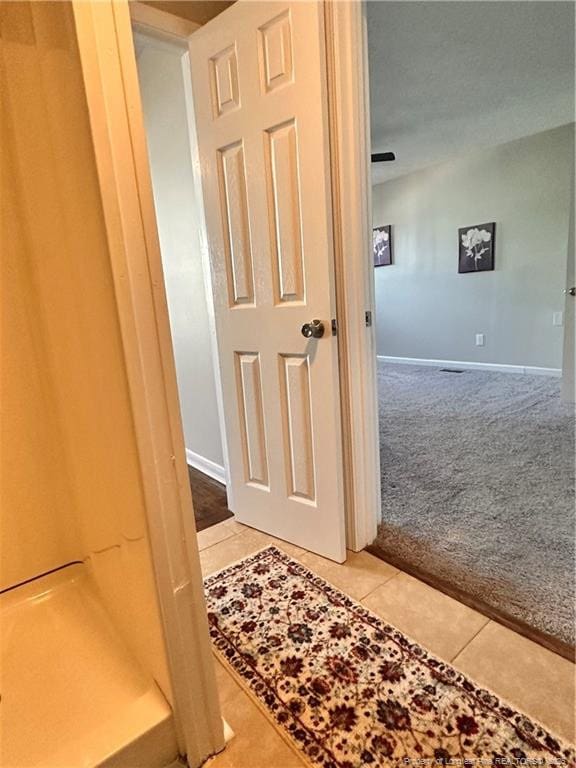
(382,243)
(476,248)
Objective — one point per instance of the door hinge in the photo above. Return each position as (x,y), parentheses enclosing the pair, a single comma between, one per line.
(368,318)
(334,327)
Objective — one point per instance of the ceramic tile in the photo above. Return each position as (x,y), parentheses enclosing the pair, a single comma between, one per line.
(358,576)
(537,681)
(226,552)
(213,535)
(264,540)
(439,623)
(237,527)
(256,743)
(228,688)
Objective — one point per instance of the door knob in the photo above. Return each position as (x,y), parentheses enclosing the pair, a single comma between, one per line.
(572,291)
(315,329)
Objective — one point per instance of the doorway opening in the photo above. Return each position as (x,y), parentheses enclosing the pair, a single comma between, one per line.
(473,313)
(246,243)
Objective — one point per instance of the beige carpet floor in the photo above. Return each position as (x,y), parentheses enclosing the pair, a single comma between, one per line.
(477,477)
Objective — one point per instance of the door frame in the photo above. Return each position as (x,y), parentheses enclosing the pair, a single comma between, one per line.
(569,345)
(349,108)
(104,38)
(105,45)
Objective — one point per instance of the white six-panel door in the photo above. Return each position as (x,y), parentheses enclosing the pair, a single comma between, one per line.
(259,86)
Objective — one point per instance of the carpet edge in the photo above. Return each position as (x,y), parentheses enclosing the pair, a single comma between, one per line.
(545,640)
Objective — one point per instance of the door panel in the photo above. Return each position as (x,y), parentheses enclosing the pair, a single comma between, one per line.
(295,406)
(258,74)
(252,433)
(284,202)
(232,183)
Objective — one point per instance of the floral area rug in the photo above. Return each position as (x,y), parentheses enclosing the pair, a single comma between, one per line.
(348,689)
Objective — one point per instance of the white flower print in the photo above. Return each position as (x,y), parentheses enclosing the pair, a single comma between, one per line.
(472,242)
(381,244)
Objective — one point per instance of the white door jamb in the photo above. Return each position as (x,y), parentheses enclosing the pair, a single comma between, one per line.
(352,205)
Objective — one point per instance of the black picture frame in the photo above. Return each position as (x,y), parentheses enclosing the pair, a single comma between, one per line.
(476,246)
(382,245)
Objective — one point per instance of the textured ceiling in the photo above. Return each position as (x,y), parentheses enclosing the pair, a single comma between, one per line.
(446,77)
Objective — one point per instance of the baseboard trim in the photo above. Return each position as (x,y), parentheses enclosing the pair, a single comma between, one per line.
(472,366)
(208,467)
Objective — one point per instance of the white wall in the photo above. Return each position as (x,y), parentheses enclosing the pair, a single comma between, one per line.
(425,309)
(163,98)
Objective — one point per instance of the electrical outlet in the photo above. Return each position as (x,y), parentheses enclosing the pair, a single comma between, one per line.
(479,339)
(557,318)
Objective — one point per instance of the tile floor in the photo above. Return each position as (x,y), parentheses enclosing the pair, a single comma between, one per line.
(531,678)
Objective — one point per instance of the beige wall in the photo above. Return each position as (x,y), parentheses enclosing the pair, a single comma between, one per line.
(36,507)
(425,309)
(71,485)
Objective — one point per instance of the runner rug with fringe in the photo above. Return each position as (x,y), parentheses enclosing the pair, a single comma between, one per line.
(349,690)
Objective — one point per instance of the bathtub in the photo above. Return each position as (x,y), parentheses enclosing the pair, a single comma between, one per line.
(73,696)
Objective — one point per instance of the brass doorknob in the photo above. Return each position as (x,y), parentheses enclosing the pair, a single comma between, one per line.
(314,330)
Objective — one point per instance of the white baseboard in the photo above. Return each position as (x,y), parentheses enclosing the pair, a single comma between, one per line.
(472,366)
(535,371)
(207,466)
